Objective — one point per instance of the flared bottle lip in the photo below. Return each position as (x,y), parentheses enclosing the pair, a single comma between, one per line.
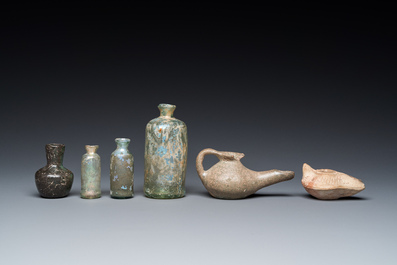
(122,140)
(55,145)
(91,148)
(54,153)
(166,106)
(166,110)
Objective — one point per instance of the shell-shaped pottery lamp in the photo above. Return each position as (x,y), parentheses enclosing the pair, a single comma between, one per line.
(328,184)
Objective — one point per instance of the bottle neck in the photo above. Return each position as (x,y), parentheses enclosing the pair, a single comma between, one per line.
(122,143)
(167,110)
(122,146)
(54,154)
(53,159)
(91,149)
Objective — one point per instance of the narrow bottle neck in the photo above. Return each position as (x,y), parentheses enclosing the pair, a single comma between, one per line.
(54,160)
(54,154)
(167,110)
(91,149)
(122,144)
(167,114)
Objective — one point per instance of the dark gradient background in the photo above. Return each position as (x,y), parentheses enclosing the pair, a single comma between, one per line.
(284,92)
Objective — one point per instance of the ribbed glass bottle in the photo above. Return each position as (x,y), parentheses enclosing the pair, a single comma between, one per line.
(91,173)
(165,155)
(122,171)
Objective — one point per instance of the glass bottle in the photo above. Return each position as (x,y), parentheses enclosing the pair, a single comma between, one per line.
(54,180)
(122,171)
(165,155)
(91,173)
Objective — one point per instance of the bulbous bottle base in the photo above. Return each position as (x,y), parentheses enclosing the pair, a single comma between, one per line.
(53,189)
(53,196)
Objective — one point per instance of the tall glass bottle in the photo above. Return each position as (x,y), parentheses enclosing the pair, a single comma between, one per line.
(122,171)
(91,173)
(165,155)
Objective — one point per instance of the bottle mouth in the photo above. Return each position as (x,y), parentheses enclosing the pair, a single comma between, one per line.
(53,150)
(91,148)
(54,145)
(122,140)
(166,110)
(166,106)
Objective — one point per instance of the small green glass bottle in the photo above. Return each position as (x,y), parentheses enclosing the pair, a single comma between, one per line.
(122,171)
(91,173)
(165,155)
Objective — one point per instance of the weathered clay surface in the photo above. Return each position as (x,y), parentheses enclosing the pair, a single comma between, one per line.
(328,184)
(91,173)
(165,155)
(54,180)
(230,179)
(122,171)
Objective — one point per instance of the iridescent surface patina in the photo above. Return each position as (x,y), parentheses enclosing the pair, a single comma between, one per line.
(91,173)
(122,171)
(165,155)
(54,180)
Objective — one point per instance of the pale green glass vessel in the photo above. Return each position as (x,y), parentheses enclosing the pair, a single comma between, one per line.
(91,173)
(165,155)
(122,171)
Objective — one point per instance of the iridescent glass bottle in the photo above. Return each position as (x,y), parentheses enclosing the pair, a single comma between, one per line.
(122,171)
(165,155)
(91,173)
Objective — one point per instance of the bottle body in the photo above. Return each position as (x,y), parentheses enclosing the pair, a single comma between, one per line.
(91,174)
(54,180)
(165,156)
(122,171)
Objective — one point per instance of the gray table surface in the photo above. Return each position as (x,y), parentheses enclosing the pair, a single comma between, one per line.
(280,224)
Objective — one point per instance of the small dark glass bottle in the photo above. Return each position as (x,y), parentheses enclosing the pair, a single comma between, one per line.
(54,180)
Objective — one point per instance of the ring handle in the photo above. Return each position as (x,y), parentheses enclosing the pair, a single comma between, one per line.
(200,157)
